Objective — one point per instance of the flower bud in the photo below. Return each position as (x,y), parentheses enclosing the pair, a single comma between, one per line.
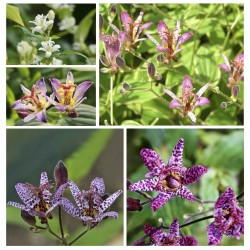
(72,113)
(31,220)
(120,62)
(134,204)
(112,13)
(105,70)
(126,86)
(51,15)
(60,174)
(223,105)
(104,60)
(22,113)
(100,23)
(151,70)
(160,58)
(235,92)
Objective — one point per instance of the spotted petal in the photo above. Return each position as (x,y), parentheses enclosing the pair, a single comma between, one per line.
(152,160)
(225,197)
(159,237)
(107,214)
(174,229)
(144,185)
(41,116)
(41,89)
(183,38)
(27,194)
(107,203)
(76,193)
(193,174)
(177,153)
(98,186)
(69,208)
(17,205)
(161,200)
(188,241)
(80,90)
(25,90)
(214,235)
(55,83)
(185,193)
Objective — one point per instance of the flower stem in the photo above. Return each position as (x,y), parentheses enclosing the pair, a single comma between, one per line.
(61,225)
(111,99)
(78,237)
(54,234)
(240,195)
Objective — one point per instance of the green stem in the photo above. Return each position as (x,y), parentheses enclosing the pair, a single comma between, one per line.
(61,225)
(54,234)
(78,237)
(111,99)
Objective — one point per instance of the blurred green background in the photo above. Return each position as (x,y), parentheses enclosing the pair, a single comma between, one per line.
(87,153)
(29,76)
(28,13)
(217,28)
(221,151)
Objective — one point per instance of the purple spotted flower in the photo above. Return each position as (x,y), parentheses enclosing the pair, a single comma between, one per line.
(69,95)
(168,179)
(171,41)
(34,103)
(132,29)
(113,44)
(92,204)
(188,101)
(229,218)
(237,74)
(37,200)
(173,238)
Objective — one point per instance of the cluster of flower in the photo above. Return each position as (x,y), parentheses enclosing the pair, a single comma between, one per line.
(170,180)
(34,103)
(90,208)
(168,49)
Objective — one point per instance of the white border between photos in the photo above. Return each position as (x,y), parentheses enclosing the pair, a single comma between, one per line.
(3,127)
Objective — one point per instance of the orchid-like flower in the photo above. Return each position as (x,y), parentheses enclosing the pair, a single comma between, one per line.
(37,200)
(237,74)
(132,29)
(34,103)
(229,218)
(92,204)
(173,238)
(49,47)
(188,101)
(42,23)
(69,95)
(169,179)
(113,45)
(171,40)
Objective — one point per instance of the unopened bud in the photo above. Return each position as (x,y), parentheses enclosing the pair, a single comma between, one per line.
(51,15)
(151,70)
(126,86)
(22,113)
(235,92)
(104,60)
(60,174)
(134,204)
(122,91)
(223,105)
(72,113)
(112,13)
(100,23)
(31,220)
(158,77)
(160,58)
(120,62)
(105,70)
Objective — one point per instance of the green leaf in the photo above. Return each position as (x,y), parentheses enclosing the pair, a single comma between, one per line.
(220,117)
(130,123)
(84,27)
(206,66)
(72,52)
(10,95)
(13,14)
(91,148)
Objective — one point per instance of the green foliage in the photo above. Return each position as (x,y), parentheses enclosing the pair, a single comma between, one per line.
(13,14)
(216,28)
(221,151)
(29,76)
